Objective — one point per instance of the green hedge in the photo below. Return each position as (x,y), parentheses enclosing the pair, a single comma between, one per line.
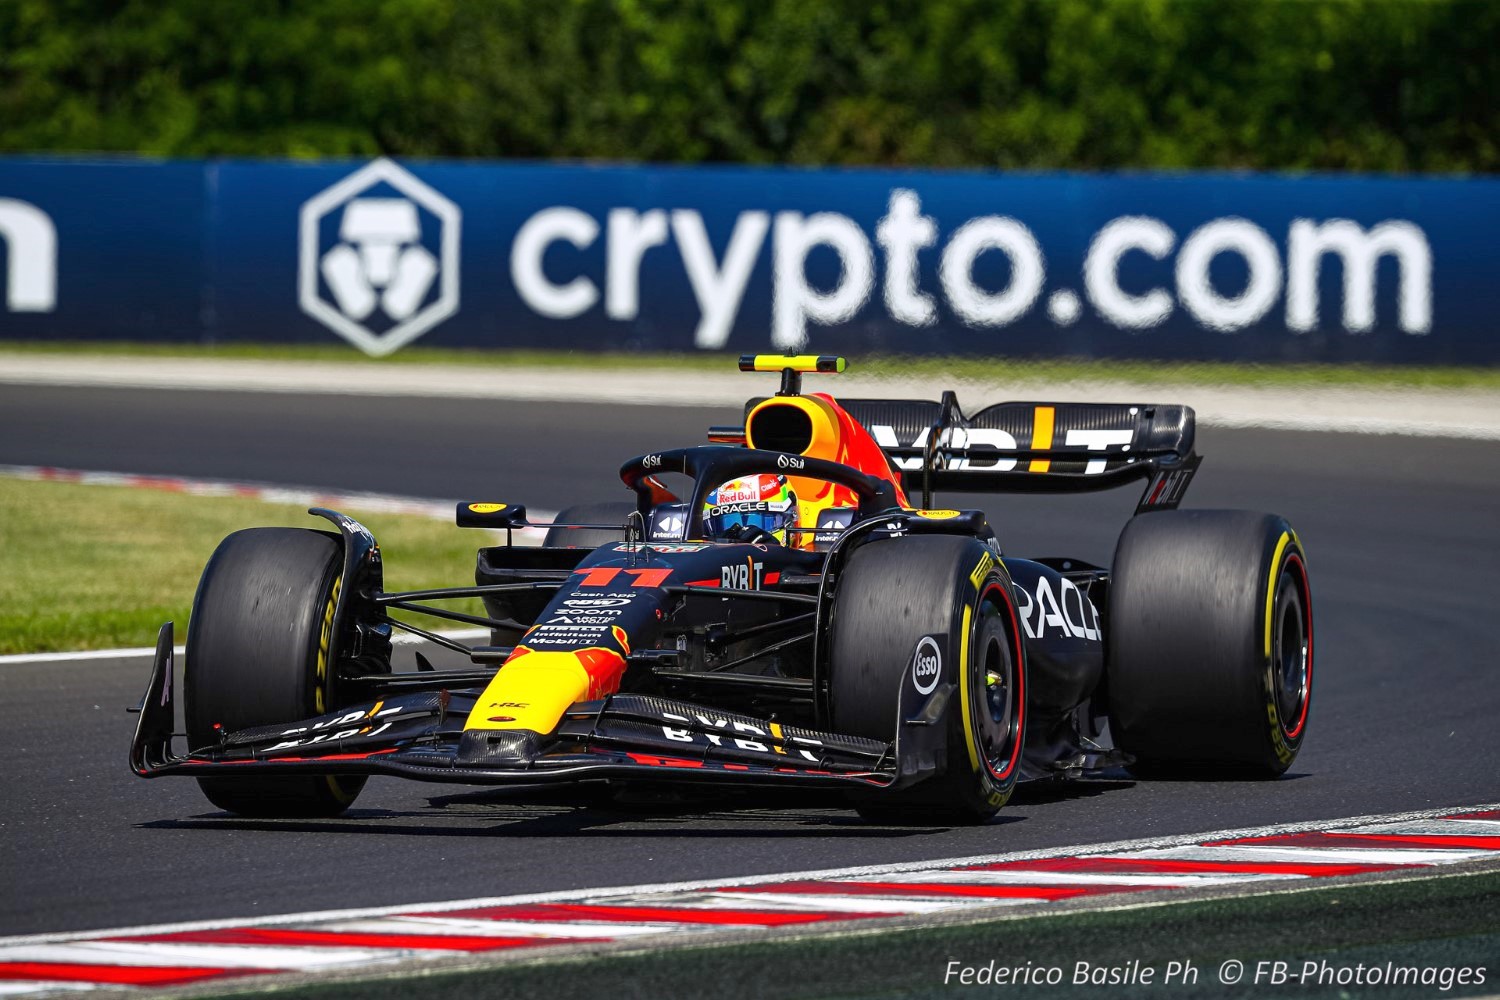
(1356,84)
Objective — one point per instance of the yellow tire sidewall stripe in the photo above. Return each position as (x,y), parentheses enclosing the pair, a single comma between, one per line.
(971,737)
(1275,576)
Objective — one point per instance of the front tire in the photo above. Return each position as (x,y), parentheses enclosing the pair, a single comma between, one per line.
(898,598)
(1210,643)
(256,656)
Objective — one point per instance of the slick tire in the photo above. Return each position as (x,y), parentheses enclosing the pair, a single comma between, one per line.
(589,513)
(1209,644)
(255,657)
(901,596)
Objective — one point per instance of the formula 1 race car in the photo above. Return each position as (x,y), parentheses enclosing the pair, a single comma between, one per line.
(786,616)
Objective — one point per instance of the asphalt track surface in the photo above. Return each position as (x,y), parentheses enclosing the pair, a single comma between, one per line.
(1403,537)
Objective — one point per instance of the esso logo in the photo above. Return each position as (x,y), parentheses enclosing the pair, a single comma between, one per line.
(926,665)
(596,602)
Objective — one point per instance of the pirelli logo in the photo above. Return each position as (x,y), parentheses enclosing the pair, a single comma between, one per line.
(986,563)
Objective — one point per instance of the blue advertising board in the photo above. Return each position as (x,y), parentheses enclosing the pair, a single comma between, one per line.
(468,254)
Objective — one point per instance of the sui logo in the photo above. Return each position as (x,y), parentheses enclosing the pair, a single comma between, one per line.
(378,260)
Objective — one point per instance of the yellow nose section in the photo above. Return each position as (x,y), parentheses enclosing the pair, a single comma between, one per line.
(534,688)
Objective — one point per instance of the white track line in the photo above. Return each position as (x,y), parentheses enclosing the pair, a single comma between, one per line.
(301,496)
(18,988)
(795,902)
(138,652)
(1335,423)
(452,926)
(1023,877)
(189,955)
(134,652)
(298,496)
(1327,855)
(1450,827)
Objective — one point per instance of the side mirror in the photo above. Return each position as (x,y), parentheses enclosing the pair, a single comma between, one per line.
(491,515)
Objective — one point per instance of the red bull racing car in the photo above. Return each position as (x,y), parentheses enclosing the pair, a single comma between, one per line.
(781,606)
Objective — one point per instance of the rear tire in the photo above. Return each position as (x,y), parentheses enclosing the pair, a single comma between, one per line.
(255,656)
(613,512)
(1209,643)
(895,594)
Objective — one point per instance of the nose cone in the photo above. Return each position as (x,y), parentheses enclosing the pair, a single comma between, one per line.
(535,687)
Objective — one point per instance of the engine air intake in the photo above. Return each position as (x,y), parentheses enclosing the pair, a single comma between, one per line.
(777,426)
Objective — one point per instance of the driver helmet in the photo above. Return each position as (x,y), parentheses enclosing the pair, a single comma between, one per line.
(764,501)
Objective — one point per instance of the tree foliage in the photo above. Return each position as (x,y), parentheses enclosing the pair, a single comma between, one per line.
(1323,84)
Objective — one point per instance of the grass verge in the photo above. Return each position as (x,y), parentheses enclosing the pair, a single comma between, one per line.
(1449,923)
(100,567)
(1353,376)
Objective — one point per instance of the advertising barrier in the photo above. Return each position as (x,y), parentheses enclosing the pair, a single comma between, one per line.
(459,254)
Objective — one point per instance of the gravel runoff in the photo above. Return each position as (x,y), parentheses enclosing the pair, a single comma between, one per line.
(1456,413)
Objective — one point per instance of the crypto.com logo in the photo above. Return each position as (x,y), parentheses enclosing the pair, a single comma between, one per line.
(372,282)
(28,245)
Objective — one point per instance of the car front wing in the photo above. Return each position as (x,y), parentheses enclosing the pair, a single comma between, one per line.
(624,736)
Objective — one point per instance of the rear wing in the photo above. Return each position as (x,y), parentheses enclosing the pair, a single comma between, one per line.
(1035,447)
(1029,447)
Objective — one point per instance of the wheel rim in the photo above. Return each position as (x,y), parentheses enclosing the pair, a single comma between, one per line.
(1290,652)
(998,699)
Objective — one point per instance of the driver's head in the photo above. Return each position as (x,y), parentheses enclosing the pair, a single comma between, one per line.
(765,502)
